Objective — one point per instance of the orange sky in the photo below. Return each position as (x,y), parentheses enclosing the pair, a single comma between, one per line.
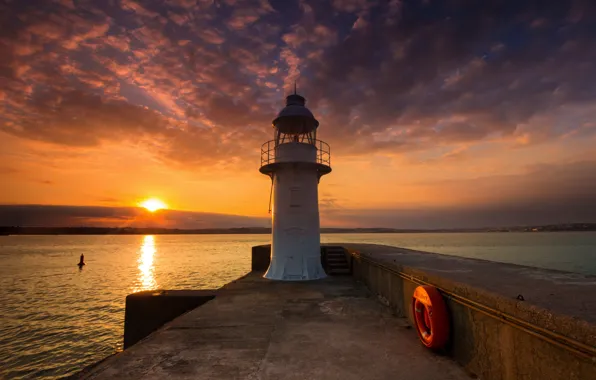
(122,175)
(443,129)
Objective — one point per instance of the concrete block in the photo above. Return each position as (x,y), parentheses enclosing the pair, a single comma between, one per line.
(261,258)
(149,310)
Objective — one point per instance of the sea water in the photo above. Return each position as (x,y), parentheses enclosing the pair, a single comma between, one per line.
(56,319)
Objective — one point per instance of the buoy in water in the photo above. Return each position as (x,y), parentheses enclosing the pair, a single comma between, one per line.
(81,261)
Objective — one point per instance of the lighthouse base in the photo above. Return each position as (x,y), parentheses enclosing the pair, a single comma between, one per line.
(288,268)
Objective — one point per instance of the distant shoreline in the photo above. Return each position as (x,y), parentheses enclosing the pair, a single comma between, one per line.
(13,230)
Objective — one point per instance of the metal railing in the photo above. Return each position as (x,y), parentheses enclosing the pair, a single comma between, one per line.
(323,153)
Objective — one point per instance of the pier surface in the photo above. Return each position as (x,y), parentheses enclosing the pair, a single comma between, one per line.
(261,329)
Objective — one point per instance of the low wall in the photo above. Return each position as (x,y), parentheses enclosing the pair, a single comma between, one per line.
(261,258)
(148,311)
(508,322)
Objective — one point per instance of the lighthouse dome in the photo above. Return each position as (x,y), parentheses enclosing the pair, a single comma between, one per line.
(295,117)
(295,111)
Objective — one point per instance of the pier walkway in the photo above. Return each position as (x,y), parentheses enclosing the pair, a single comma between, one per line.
(261,329)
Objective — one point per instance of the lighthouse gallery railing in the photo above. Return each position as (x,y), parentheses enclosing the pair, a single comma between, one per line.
(323,153)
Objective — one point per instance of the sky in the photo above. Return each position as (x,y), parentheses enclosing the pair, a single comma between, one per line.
(439,113)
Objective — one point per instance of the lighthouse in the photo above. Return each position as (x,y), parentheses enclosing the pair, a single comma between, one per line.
(295,161)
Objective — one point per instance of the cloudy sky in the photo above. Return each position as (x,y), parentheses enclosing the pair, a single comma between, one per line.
(439,113)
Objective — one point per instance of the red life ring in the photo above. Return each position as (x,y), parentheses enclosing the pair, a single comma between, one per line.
(431,317)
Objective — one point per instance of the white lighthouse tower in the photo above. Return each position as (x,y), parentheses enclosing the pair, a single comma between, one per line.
(295,160)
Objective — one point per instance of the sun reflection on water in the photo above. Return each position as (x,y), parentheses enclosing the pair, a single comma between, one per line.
(146,279)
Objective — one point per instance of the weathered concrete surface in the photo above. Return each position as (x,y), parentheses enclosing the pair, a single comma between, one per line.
(261,329)
(556,301)
(147,311)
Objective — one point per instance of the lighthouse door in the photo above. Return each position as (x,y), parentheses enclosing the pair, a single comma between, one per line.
(295,196)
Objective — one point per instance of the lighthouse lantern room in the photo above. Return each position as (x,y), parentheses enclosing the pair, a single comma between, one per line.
(295,160)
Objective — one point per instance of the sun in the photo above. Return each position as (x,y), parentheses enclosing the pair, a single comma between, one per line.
(153,204)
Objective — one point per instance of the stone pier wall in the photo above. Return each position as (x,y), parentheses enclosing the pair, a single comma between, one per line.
(149,310)
(508,322)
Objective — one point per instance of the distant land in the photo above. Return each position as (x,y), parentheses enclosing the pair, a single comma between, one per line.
(15,230)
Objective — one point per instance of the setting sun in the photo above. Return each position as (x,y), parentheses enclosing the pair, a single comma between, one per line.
(153,204)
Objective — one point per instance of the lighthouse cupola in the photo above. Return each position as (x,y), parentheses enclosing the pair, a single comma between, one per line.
(295,122)
(295,160)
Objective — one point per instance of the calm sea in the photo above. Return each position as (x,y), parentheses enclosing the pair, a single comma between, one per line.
(56,319)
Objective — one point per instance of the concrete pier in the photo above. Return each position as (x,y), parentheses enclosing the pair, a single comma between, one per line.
(508,322)
(261,329)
